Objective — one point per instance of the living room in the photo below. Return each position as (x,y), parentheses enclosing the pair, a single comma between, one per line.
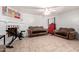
(31,18)
(39,29)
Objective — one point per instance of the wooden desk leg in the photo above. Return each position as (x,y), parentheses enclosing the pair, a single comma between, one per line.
(4,45)
(4,39)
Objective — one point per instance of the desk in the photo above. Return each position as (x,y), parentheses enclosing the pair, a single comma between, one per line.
(22,33)
(2,36)
(2,47)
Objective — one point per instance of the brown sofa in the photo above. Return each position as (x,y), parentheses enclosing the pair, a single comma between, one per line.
(68,33)
(36,30)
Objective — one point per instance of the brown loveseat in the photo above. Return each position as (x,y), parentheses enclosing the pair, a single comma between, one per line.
(68,33)
(36,30)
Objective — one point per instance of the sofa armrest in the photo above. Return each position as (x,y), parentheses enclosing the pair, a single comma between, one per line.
(68,34)
(55,31)
(73,32)
(29,31)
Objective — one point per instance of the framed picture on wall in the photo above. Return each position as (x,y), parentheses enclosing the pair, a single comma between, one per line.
(11,13)
(4,10)
(17,15)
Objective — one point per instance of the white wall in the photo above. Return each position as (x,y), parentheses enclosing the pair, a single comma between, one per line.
(26,21)
(33,20)
(2,24)
(68,19)
(2,28)
(5,20)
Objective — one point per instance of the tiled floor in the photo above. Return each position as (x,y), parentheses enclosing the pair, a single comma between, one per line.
(46,43)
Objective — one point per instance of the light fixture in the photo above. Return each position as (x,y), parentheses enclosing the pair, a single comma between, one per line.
(48,11)
(51,9)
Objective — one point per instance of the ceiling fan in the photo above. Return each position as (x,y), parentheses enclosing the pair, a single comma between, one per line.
(49,10)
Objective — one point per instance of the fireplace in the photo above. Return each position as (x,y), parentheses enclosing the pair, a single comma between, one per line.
(12,29)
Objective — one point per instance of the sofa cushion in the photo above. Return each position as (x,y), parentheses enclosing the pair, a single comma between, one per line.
(34,32)
(66,29)
(61,33)
(36,28)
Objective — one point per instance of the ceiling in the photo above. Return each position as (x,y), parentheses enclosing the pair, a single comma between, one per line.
(40,10)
